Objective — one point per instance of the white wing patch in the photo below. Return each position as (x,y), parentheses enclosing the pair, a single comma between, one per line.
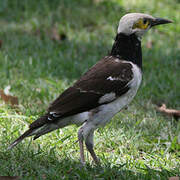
(115,78)
(110,78)
(117,60)
(107,97)
(54,114)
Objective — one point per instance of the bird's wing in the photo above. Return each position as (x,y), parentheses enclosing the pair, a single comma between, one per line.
(108,76)
(103,83)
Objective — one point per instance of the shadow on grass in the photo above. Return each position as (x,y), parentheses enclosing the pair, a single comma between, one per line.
(30,165)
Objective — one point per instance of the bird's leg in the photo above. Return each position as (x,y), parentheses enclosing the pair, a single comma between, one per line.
(81,139)
(89,145)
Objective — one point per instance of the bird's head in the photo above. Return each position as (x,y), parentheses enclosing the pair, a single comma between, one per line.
(138,23)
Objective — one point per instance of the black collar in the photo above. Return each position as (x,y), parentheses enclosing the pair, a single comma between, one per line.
(127,48)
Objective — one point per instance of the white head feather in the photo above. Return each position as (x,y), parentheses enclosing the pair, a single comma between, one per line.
(126,24)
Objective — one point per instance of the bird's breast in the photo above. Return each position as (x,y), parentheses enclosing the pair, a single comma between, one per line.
(107,111)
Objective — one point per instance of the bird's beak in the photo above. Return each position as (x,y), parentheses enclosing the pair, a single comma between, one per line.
(158,21)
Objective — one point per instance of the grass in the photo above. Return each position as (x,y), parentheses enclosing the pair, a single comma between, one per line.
(138,143)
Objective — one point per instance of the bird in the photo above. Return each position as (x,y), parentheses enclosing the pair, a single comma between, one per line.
(103,90)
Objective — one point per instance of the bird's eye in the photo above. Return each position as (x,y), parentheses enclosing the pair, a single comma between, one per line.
(145,21)
(141,24)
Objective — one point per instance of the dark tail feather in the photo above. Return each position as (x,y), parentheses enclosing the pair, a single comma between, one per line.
(38,128)
(19,139)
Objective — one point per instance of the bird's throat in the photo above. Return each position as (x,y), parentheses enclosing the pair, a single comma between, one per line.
(127,48)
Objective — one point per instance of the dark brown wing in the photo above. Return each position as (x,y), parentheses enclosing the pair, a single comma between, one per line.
(110,75)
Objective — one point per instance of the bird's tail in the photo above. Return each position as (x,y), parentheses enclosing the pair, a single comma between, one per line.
(19,139)
(39,131)
(37,128)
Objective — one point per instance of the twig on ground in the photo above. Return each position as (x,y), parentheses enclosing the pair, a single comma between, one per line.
(170,112)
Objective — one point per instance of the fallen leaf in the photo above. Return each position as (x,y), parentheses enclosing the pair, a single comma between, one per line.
(55,35)
(13,100)
(9,177)
(169,112)
(174,178)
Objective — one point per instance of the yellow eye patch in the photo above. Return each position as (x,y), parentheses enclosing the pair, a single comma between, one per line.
(141,24)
